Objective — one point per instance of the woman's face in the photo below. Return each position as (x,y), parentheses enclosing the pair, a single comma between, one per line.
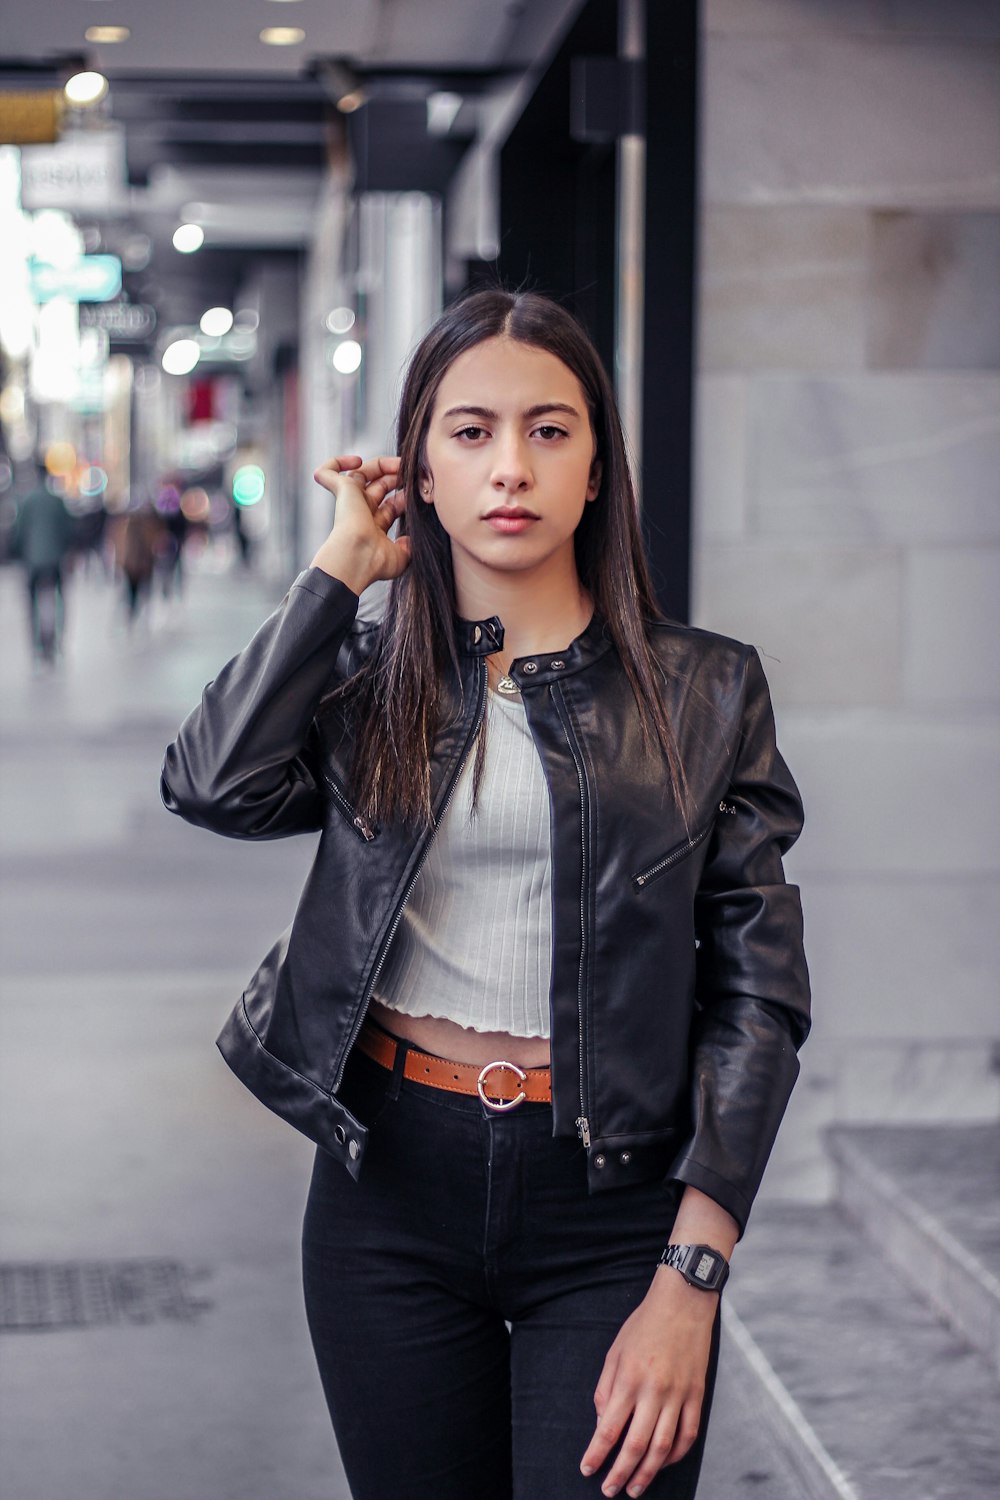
(511,459)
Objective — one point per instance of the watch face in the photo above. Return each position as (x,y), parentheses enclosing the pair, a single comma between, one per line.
(700,1265)
(705,1266)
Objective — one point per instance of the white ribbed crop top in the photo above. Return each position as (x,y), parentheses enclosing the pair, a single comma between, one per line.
(475,941)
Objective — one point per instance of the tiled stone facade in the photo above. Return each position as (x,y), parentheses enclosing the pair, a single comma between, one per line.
(848,515)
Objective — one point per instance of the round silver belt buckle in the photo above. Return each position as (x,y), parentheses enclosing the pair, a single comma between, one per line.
(499,1105)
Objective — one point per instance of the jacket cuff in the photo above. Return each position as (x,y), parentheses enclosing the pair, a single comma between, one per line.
(715,1187)
(315,581)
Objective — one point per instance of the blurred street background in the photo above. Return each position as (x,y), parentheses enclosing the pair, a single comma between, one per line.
(221,231)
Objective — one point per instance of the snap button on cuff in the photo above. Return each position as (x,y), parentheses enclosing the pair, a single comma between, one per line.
(530,666)
(599,1161)
(353,1150)
(557,665)
(625,1158)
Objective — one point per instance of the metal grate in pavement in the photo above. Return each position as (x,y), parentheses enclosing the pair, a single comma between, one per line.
(35,1297)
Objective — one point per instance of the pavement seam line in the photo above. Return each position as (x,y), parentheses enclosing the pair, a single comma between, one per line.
(792,1418)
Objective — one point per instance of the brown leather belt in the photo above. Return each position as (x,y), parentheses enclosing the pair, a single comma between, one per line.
(500,1085)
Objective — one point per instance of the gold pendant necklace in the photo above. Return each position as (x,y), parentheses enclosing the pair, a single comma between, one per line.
(505,684)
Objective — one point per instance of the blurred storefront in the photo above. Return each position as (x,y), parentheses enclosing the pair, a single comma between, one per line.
(210,272)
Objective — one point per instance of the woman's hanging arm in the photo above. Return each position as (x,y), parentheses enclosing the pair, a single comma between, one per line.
(753,985)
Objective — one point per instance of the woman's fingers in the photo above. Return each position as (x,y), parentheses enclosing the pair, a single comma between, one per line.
(374,478)
(359,550)
(389,510)
(654,1431)
(687,1429)
(614,1408)
(649,1433)
(646,1427)
(327,474)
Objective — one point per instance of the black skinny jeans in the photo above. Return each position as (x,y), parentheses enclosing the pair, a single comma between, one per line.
(463,1222)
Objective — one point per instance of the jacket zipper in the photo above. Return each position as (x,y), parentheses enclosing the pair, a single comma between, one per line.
(645,876)
(582,1122)
(360,825)
(398,914)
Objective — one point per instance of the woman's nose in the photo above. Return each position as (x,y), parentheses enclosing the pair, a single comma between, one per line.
(511,466)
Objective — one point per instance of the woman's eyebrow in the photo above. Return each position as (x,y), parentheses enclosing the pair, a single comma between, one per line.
(492,416)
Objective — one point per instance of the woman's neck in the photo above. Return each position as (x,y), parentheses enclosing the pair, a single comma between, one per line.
(538,613)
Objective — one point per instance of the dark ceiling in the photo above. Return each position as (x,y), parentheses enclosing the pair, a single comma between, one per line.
(242,138)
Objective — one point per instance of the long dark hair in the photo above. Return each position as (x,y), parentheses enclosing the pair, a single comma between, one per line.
(397,698)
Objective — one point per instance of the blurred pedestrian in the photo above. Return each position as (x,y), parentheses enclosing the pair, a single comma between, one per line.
(540,1003)
(244,541)
(139,537)
(171,541)
(43,534)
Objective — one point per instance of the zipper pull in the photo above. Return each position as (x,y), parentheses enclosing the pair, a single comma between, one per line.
(363,828)
(583,1130)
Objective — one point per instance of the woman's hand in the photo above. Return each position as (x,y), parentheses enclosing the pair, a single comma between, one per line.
(359,550)
(653,1383)
(651,1388)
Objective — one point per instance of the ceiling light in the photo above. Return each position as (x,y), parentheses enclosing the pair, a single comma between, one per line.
(216,321)
(180,357)
(340,320)
(188,238)
(347,357)
(107,34)
(282,36)
(86,89)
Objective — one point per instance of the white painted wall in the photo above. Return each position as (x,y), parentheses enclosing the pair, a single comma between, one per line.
(848,515)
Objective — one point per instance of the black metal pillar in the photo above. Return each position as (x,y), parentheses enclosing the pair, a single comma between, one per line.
(559,201)
(668,319)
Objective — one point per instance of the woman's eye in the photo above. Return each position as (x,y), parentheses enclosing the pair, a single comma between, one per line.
(472,433)
(550,433)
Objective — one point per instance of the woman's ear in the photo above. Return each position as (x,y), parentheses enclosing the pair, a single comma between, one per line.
(594,482)
(426,487)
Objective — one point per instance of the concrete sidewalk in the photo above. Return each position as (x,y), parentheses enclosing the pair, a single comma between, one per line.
(153,1207)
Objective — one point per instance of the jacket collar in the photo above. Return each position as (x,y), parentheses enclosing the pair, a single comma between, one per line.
(483,637)
(479,637)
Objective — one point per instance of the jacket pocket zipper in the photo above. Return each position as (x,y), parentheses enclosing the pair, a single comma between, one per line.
(361,826)
(653,872)
(582,1122)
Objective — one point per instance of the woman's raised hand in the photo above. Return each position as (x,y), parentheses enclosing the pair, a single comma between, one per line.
(359,550)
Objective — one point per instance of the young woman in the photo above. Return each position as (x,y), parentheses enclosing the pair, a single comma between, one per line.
(540,1004)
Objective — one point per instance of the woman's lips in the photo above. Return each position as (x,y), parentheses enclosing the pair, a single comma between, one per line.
(510,521)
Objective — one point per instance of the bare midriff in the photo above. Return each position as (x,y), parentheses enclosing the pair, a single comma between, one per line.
(459,1043)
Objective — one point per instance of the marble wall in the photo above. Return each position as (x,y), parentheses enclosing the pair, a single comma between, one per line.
(848,515)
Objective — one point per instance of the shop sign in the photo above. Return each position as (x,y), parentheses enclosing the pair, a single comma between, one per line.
(92,278)
(30,116)
(123,322)
(82,173)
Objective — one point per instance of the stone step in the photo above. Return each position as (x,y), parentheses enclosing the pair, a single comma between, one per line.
(747,1454)
(880,1399)
(929,1198)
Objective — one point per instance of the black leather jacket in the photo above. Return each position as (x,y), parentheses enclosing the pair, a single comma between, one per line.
(679,989)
